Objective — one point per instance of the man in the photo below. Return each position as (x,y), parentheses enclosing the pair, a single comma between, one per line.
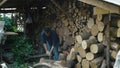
(50,41)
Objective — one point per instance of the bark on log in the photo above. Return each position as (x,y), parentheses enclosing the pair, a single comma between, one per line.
(96,48)
(96,62)
(83,36)
(85,63)
(86,43)
(100,37)
(94,30)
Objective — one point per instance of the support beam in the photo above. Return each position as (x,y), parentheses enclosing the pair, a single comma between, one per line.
(110,7)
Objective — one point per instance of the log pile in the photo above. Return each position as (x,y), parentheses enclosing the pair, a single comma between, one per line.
(83,36)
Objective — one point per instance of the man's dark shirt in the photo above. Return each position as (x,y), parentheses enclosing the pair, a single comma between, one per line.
(53,39)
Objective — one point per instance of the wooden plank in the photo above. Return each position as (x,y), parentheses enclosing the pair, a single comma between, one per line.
(110,7)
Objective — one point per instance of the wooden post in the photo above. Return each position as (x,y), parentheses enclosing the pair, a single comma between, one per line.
(107,34)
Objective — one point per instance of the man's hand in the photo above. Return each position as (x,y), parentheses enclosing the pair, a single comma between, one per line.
(48,53)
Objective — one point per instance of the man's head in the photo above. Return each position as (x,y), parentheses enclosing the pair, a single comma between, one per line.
(47,31)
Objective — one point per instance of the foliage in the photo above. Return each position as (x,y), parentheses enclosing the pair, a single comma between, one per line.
(8,24)
(17,65)
(21,48)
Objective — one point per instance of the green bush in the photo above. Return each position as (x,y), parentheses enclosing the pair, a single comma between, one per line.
(21,48)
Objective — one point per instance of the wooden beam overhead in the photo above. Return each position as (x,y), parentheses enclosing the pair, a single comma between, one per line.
(107,6)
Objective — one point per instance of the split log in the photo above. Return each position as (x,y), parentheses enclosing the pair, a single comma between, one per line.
(103,65)
(86,43)
(90,56)
(90,22)
(96,48)
(100,37)
(96,62)
(85,63)
(94,30)
(115,46)
(100,26)
(79,58)
(115,32)
(99,17)
(115,23)
(78,65)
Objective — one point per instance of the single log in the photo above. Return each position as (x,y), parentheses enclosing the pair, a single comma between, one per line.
(115,23)
(78,65)
(86,43)
(79,58)
(100,26)
(100,37)
(83,36)
(115,32)
(99,17)
(94,30)
(90,56)
(85,63)
(114,54)
(103,65)
(90,22)
(79,39)
(96,48)
(96,62)
(115,46)
(82,52)
(71,56)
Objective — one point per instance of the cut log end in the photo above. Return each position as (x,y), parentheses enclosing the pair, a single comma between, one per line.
(89,56)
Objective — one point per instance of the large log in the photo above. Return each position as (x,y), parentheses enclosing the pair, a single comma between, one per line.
(94,30)
(100,37)
(96,62)
(90,22)
(115,32)
(85,63)
(83,36)
(100,26)
(86,43)
(96,48)
(90,56)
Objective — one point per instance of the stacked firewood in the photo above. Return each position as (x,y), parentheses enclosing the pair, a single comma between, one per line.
(83,35)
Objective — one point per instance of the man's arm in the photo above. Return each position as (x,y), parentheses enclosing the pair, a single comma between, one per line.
(45,47)
(51,49)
